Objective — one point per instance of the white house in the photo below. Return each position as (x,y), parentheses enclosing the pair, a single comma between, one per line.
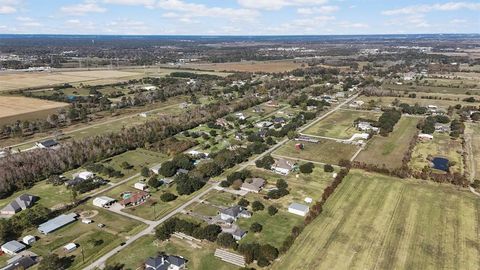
(366,126)
(282,166)
(140,186)
(232,213)
(425,137)
(298,209)
(84,175)
(29,240)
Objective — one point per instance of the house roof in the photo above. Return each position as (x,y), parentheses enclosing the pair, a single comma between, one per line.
(238,232)
(103,200)
(298,207)
(48,143)
(20,263)
(176,260)
(77,180)
(253,184)
(13,246)
(20,203)
(136,197)
(233,211)
(57,223)
(283,164)
(162,262)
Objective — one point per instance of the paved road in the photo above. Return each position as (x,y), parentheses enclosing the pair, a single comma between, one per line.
(151,227)
(149,230)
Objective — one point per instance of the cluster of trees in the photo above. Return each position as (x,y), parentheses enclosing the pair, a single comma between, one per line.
(307,168)
(208,232)
(181,161)
(22,170)
(457,128)
(263,254)
(105,170)
(428,125)
(172,146)
(280,191)
(88,185)
(415,109)
(266,162)
(14,227)
(236,176)
(388,120)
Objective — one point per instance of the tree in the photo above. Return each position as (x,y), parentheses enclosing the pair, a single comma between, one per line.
(281,184)
(328,168)
(256,227)
(145,172)
(211,232)
(307,168)
(153,182)
(257,206)
(168,169)
(272,210)
(115,266)
(243,202)
(52,261)
(167,197)
(263,262)
(266,162)
(269,252)
(226,240)
(125,165)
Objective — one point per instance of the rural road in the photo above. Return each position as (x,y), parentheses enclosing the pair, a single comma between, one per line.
(92,126)
(100,263)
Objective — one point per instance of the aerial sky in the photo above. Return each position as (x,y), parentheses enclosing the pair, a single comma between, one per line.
(238,17)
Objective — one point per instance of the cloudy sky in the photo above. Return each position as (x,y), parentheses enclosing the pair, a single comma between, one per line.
(238,17)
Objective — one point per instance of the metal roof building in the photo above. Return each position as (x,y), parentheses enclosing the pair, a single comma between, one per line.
(13,247)
(57,223)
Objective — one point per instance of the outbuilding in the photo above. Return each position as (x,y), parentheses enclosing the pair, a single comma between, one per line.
(140,186)
(29,240)
(103,201)
(298,209)
(70,247)
(13,247)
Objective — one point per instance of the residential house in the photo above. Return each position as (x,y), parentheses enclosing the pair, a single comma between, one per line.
(367,126)
(258,109)
(233,213)
(23,263)
(47,144)
(140,186)
(238,234)
(165,262)
(264,124)
(240,116)
(135,199)
(442,128)
(253,184)
(20,203)
(282,166)
(156,169)
(279,120)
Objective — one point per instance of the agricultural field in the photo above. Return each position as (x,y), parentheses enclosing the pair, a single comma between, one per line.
(441,146)
(375,221)
(339,125)
(389,151)
(13,81)
(22,108)
(250,66)
(325,151)
(199,255)
(472,137)
(432,89)
(93,241)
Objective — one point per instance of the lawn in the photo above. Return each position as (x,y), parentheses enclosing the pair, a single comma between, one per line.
(220,198)
(430,89)
(472,137)
(138,158)
(325,151)
(199,257)
(389,151)
(92,240)
(339,125)
(379,222)
(441,146)
(443,101)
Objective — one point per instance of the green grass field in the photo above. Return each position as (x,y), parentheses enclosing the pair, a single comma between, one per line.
(326,151)
(441,146)
(138,158)
(389,151)
(473,135)
(199,257)
(379,222)
(443,101)
(339,125)
(431,89)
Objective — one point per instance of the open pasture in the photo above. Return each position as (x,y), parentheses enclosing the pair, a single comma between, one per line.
(14,108)
(432,89)
(378,222)
(325,151)
(443,101)
(389,151)
(250,66)
(22,80)
(472,137)
(339,125)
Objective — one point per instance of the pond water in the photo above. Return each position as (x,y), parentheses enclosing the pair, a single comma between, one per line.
(440,163)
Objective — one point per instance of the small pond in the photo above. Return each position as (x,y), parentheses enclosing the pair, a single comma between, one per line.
(441,163)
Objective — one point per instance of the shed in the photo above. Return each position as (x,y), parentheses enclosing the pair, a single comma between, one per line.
(70,247)
(12,247)
(57,223)
(140,186)
(156,169)
(298,209)
(29,239)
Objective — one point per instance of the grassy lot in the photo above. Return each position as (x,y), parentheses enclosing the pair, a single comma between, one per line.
(221,198)
(339,125)
(442,146)
(473,134)
(431,89)
(326,151)
(378,222)
(138,158)
(199,257)
(389,151)
(94,241)
(443,101)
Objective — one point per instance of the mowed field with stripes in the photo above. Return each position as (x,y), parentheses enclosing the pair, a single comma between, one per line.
(377,222)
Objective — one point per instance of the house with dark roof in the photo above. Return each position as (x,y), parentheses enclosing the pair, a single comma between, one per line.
(165,262)
(47,144)
(282,166)
(20,203)
(20,263)
(233,213)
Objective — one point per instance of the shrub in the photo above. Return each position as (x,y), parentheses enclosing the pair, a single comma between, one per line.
(272,210)
(257,206)
(256,227)
(328,168)
(167,197)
